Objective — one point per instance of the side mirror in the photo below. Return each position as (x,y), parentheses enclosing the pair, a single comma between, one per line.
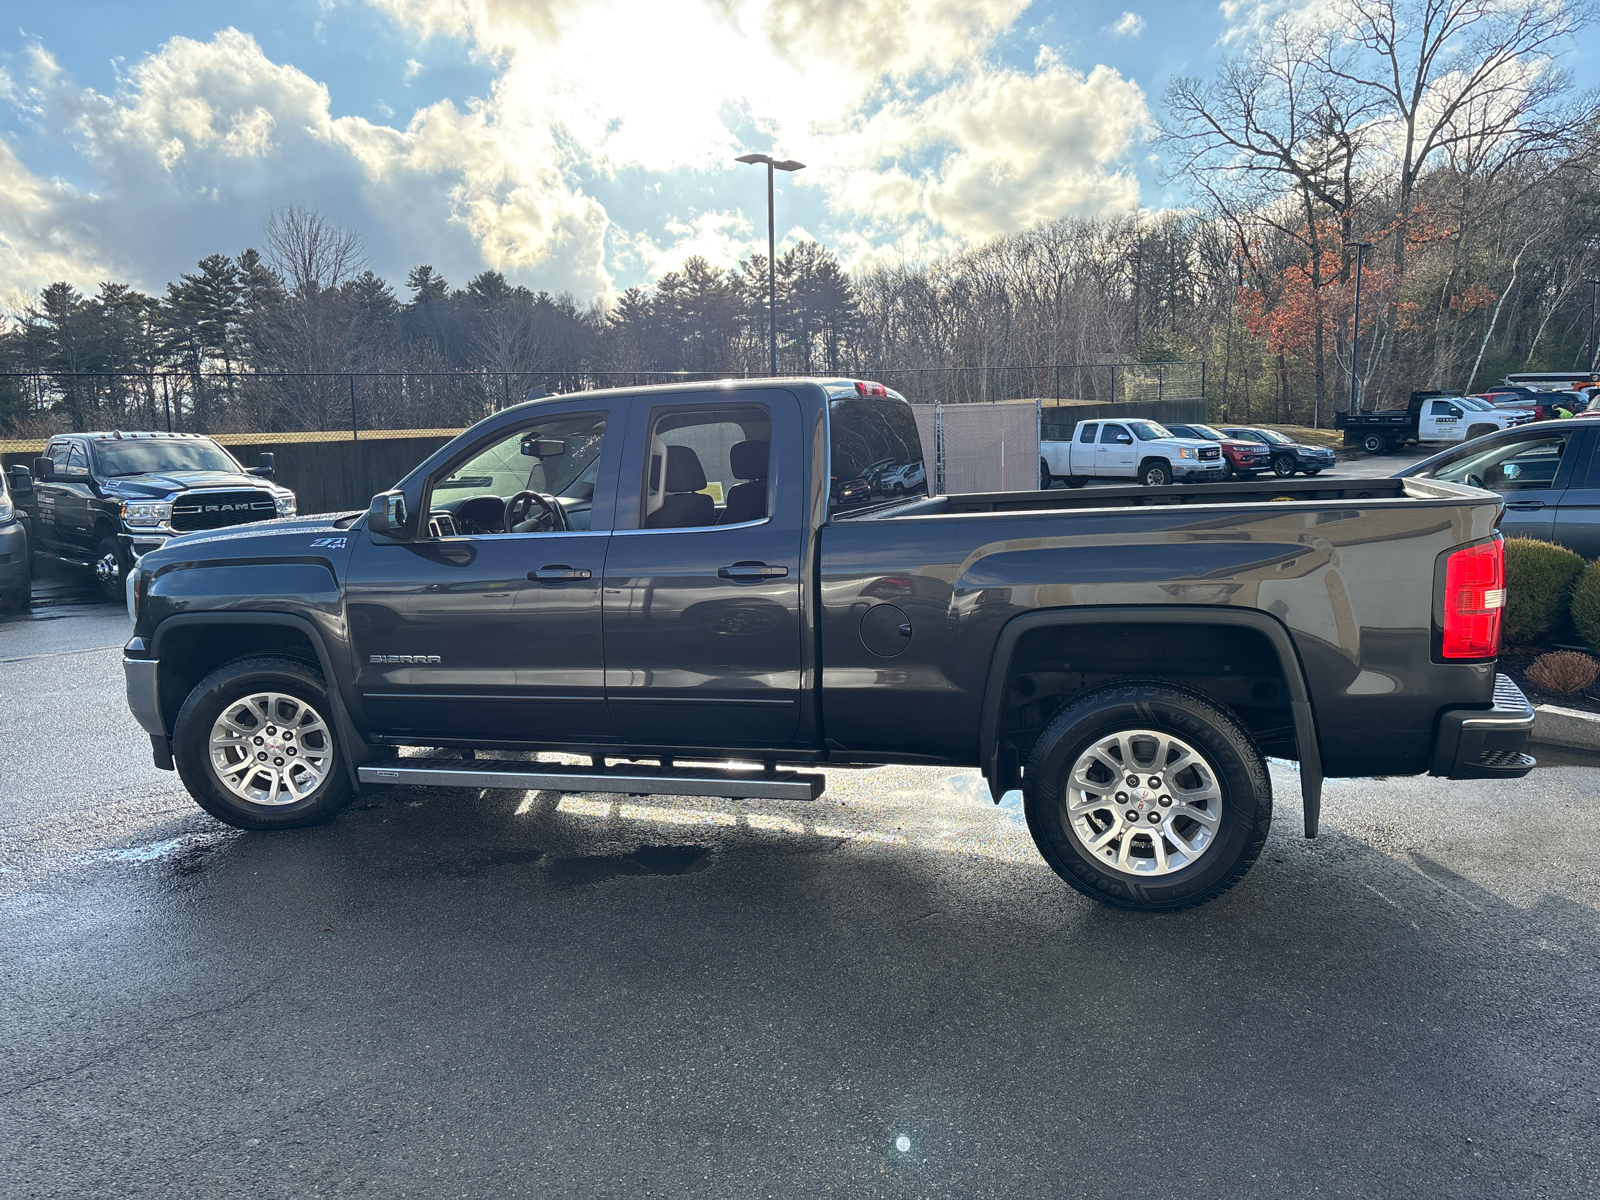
(387,514)
(44,469)
(264,466)
(21,480)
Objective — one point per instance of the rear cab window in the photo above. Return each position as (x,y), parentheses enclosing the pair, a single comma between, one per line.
(875,450)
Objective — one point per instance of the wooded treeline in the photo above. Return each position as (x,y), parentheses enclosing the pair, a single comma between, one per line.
(1438,132)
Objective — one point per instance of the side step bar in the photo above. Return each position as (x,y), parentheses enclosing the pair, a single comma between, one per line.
(627,778)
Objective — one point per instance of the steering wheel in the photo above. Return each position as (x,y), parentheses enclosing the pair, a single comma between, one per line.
(521,505)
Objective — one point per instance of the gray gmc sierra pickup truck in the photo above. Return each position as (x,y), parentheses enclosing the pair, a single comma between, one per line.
(580,583)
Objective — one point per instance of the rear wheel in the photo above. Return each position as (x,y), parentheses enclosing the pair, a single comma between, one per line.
(1374,443)
(1155,474)
(1045,478)
(1313,471)
(1147,796)
(254,745)
(1076,481)
(110,569)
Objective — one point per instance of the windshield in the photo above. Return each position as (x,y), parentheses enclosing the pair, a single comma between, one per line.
(1208,431)
(161,457)
(1474,403)
(1273,436)
(1148,431)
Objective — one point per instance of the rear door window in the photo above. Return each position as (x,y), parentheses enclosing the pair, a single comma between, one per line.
(1087,436)
(872,439)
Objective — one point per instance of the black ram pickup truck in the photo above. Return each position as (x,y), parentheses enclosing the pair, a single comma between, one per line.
(101,500)
(633,591)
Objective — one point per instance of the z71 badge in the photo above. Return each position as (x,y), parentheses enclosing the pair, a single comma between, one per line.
(414,660)
(330,543)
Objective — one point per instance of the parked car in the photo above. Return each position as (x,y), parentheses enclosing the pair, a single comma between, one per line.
(1546,474)
(907,477)
(100,500)
(1124,656)
(1286,455)
(16,559)
(1141,450)
(1428,417)
(1244,456)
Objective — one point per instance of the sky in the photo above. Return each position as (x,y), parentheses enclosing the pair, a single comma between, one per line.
(579,146)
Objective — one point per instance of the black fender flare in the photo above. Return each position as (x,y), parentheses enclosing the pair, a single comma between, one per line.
(1305,725)
(354,746)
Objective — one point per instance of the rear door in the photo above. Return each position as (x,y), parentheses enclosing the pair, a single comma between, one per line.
(701,603)
(1083,451)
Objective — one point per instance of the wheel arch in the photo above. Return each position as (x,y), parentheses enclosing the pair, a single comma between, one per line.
(1150,460)
(1002,770)
(189,646)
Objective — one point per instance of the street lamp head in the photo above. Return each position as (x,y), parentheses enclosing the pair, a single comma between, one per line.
(1356,245)
(753,158)
(789,164)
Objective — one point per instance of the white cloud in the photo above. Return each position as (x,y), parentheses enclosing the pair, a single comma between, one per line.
(1129,24)
(917,139)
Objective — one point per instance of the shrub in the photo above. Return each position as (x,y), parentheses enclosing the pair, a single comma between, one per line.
(1562,672)
(1539,578)
(1586,606)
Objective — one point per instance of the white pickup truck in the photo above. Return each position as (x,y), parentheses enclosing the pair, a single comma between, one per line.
(1429,417)
(1137,449)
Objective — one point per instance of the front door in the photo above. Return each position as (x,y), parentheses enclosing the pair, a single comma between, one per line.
(1577,522)
(702,580)
(1531,470)
(66,503)
(1114,455)
(473,631)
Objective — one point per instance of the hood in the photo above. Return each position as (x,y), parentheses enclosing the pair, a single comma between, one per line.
(160,486)
(1242,444)
(292,536)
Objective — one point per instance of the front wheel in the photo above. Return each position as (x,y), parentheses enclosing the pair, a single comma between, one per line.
(255,747)
(1147,796)
(1045,478)
(110,569)
(1283,466)
(1155,474)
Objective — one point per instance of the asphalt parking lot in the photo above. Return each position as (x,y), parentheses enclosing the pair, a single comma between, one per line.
(885,993)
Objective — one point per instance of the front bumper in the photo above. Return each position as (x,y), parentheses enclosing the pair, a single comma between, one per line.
(1486,743)
(140,543)
(1317,462)
(144,693)
(1200,470)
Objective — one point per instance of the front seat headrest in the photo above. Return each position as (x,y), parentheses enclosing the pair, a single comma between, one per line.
(749,459)
(684,472)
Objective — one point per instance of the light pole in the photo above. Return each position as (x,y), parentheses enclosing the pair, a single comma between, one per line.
(787,164)
(1361,249)
(1594,350)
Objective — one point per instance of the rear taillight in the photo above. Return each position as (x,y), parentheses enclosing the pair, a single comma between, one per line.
(866,388)
(1474,597)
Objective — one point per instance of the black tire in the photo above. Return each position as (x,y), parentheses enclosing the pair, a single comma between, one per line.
(1076,481)
(1313,470)
(191,744)
(1283,466)
(1478,431)
(111,566)
(1240,775)
(1374,443)
(1155,473)
(1045,478)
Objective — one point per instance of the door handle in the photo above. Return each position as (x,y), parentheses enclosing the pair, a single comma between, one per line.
(1526,505)
(749,572)
(559,573)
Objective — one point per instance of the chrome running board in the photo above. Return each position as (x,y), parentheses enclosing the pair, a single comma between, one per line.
(631,779)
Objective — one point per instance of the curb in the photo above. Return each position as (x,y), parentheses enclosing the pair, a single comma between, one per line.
(1556,726)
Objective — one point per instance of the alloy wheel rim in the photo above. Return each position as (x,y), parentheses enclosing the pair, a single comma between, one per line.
(271,748)
(1143,802)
